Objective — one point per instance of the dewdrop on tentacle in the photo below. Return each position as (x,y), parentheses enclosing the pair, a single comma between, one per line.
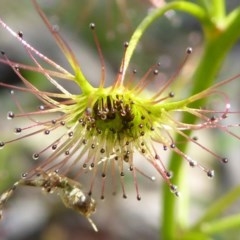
(99,131)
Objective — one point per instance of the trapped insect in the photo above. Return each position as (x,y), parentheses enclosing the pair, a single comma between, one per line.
(69,191)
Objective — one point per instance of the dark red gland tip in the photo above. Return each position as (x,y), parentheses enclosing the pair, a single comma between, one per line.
(172,145)
(189,50)
(168,174)
(18,130)
(2,144)
(47,132)
(54,147)
(24,175)
(11,115)
(20,34)
(210,173)
(225,160)
(173,188)
(92,25)
(35,156)
(126,44)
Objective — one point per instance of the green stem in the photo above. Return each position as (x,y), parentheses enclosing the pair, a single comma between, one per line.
(188,7)
(218,207)
(221,225)
(214,8)
(217,46)
(218,10)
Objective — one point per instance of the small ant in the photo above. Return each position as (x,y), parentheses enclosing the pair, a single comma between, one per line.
(69,191)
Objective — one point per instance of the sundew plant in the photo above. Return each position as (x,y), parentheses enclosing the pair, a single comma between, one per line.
(100,132)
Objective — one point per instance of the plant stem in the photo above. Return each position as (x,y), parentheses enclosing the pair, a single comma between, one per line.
(218,10)
(217,45)
(221,225)
(218,207)
(188,7)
